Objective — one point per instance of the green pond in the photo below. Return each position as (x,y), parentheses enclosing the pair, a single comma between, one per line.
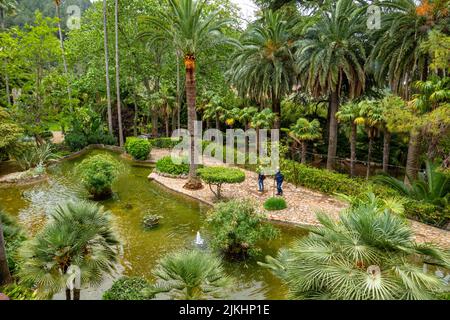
(135,196)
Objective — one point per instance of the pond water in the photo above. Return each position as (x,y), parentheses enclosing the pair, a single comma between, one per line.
(135,196)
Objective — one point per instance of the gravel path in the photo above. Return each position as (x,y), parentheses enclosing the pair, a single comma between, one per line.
(302,203)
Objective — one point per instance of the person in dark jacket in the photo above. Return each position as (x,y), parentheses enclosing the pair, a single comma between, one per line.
(279,178)
(261,178)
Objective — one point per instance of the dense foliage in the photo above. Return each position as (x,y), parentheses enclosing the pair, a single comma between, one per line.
(237,228)
(97,173)
(127,288)
(275,203)
(217,176)
(138,148)
(14,237)
(168,166)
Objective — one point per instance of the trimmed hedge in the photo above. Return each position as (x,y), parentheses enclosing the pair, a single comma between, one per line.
(275,203)
(127,288)
(217,176)
(164,143)
(166,165)
(138,148)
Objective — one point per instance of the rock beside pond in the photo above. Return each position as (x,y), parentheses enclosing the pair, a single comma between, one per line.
(151,221)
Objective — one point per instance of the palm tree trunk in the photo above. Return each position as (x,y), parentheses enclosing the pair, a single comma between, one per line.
(178,92)
(369,156)
(135,119)
(61,43)
(5,275)
(68,294)
(167,124)
(193,182)
(108,84)
(276,108)
(386,150)
(217,122)
(5,63)
(332,139)
(353,149)
(76,294)
(119,109)
(412,160)
(303,152)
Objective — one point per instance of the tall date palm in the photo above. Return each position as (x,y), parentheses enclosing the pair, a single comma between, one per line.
(330,59)
(188,26)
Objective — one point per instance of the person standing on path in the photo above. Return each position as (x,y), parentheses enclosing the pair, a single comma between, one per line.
(279,178)
(261,178)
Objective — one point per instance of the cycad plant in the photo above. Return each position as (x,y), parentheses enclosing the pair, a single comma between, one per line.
(78,235)
(189,275)
(432,186)
(304,131)
(369,254)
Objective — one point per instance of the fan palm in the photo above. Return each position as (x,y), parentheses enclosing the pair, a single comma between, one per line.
(263,66)
(214,109)
(5,275)
(189,275)
(262,120)
(368,255)
(348,114)
(433,186)
(303,131)
(187,24)
(79,234)
(331,58)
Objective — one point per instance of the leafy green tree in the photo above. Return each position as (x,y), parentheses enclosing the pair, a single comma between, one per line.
(303,131)
(217,176)
(10,132)
(238,228)
(348,113)
(262,120)
(263,66)
(369,254)
(191,30)
(189,275)
(330,59)
(78,234)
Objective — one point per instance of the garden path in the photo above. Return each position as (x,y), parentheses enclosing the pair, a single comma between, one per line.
(302,203)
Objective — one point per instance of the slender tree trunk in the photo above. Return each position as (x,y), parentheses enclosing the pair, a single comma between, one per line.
(353,149)
(5,275)
(68,294)
(61,44)
(178,92)
(76,294)
(386,150)
(369,158)
(108,84)
(167,124)
(412,161)
(217,122)
(193,181)
(119,109)
(276,108)
(303,152)
(174,119)
(5,63)
(135,119)
(333,131)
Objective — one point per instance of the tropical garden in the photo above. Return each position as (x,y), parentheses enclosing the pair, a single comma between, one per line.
(91,92)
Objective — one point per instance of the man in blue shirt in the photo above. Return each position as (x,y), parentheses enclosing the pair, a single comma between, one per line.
(279,179)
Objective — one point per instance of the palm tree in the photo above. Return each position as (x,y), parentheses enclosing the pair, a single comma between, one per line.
(371,116)
(189,275)
(78,234)
(330,59)
(108,84)
(303,131)
(369,254)
(348,114)
(187,24)
(262,120)
(5,275)
(214,109)
(246,115)
(432,187)
(119,108)
(263,66)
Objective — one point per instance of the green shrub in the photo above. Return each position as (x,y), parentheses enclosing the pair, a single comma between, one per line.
(237,227)
(166,165)
(98,173)
(138,148)
(427,213)
(14,237)
(127,288)
(77,140)
(217,176)
(18,292)
(275,203)
(165,143)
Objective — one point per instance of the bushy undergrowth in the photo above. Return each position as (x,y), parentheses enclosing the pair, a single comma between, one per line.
(77,140)
(138,148)
(164,143)
(127,288)
(166,165)
(14,237)
(275,203)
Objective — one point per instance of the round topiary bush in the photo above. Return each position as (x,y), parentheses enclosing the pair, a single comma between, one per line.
(97,174)
(275,203)
(167,166)
(127,288)
(217,176)
(138,148)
